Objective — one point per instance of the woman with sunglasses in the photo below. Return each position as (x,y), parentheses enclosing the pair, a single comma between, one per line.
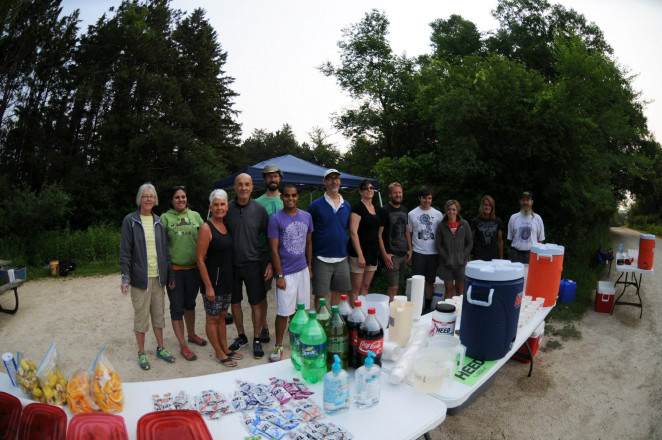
(363,244)
(487,230)
(182,224)
(146,269)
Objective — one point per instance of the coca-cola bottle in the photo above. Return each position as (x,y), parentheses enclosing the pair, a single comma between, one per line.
(370,338)
(344,307)
(354,321)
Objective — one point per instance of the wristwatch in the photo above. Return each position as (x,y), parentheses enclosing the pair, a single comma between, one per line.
(280,275)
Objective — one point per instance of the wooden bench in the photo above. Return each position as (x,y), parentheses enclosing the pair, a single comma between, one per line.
(14,285)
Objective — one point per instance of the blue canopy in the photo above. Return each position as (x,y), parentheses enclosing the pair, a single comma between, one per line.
(304,174)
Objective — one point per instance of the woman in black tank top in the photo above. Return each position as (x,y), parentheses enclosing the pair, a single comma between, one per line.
(214,257)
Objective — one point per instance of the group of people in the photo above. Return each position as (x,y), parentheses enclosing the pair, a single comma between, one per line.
(333,248)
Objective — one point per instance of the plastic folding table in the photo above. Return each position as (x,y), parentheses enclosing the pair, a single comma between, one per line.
(628,277)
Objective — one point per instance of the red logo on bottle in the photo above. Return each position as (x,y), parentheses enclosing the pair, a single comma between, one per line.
(376,346)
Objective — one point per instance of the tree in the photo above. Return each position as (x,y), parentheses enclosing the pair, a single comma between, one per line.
(322,153)
(455,37)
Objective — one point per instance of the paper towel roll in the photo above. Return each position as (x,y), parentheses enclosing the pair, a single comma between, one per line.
(417,294)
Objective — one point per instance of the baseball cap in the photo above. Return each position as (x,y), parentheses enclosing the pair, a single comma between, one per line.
(271,168)
(331,171)
(525,194)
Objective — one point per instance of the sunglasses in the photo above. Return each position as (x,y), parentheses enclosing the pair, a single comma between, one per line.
(368,188)
(177,188)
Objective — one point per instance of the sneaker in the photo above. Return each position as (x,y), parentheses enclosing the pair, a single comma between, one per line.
(163,353)
(142,361)
(264,335)
(277,354)
(257,349)
(229,319)
(239,342)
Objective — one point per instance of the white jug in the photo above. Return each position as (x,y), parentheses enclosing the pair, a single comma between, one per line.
(380,303)
(400,321)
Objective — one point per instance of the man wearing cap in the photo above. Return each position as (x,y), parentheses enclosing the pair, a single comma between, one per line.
(246,221)
(525,228)
(330,215)
(272,176)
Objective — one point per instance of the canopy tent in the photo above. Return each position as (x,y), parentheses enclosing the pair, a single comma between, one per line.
(305,175)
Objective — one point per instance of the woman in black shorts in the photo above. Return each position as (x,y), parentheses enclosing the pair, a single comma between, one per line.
(214,257)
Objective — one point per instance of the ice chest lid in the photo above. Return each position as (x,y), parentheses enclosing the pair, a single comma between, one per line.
(647,237)
(175,424)
(97,425)
(10,408)
(495,270)
(547,249)
(48,420)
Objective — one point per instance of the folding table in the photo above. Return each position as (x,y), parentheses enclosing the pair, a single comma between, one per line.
(629,273)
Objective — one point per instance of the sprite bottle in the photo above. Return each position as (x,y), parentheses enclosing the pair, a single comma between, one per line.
(313,350)
(299,319)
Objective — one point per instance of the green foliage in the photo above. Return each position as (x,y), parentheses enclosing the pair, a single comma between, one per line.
(455,37)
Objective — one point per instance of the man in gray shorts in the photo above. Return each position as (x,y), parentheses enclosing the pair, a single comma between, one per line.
(394,239)
(330,215)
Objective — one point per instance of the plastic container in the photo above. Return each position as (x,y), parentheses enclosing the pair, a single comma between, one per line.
(43,422)
(313,349)
(176,424)
(10,416)
(534,343)
(337,339)
(97,425)
(604,297)
(646,251)
(439,293)
(417,295)
(490,307)
(567,291)
(545,267)
(400,320)
(443,320)
(381,305)
(368,383)
(54,265)
(296,325)
(323,314)
(336,388)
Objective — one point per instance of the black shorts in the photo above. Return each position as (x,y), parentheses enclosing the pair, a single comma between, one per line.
(252,275)
(426,265)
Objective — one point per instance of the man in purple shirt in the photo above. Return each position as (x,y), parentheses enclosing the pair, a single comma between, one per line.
(291,249)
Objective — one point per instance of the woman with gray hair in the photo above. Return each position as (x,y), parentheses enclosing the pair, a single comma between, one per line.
(213,252)
(146,269)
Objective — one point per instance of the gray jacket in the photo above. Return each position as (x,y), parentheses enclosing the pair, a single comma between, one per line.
(133,252)
(453,250)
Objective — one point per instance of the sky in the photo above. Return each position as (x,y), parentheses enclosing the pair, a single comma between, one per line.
(275,46)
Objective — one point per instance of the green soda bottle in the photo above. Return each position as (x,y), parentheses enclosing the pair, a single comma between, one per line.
(337,339)
(313,350)
(323,314)
(299,319)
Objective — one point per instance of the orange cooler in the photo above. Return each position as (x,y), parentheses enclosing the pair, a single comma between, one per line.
(545,267)
(646,251)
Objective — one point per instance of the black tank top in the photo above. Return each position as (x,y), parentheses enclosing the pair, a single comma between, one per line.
(219,261)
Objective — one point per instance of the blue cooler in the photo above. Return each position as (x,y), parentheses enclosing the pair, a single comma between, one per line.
(493,292)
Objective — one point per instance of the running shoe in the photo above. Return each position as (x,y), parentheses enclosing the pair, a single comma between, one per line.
(142,361)
(277,354)
(239,342)
(264,335)
(163,353)
(257,349)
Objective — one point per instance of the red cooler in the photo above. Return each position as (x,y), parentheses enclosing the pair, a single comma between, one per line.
(646,251)
(604,297)
(534,343)
(545,267)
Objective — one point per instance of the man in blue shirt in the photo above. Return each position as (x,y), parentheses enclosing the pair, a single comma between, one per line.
(330,215)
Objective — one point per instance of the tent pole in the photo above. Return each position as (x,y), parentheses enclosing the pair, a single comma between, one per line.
(379,193)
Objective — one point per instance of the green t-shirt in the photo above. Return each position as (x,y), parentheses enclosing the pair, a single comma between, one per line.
(272,205)
(182,230)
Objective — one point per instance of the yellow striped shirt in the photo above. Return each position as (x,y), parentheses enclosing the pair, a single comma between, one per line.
(148,226)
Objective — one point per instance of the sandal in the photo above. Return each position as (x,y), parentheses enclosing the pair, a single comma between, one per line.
(188,354)
(227,362)
(234,355)
(195,339)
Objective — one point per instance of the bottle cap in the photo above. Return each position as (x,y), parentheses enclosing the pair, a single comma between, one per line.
(371,311)
(445,308)
(312,314)
(369,361)
(336,363)
(343,297)
(322,300)
(357,303)
(335,309)
(301,306)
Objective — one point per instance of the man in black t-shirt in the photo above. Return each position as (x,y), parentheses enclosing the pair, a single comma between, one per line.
(394,239)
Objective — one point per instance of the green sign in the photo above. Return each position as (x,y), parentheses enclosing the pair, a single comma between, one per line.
(472,370)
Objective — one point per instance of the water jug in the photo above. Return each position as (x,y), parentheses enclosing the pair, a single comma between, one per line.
(380,303)
(545,267)
(646,251)
(400,321)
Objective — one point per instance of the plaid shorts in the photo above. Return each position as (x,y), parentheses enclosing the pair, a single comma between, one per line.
(221,303)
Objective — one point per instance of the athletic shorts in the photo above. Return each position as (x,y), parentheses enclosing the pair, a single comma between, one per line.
(452,274)
(220,304)
(183,296)
(330,277)
(354,266)
(297,289)
(252,275)
(426,265)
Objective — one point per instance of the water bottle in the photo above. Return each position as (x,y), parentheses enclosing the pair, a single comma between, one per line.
(313,349)
(337,339)
(336,389)
(323,314)
(345,308)
(368,382)
(299,319)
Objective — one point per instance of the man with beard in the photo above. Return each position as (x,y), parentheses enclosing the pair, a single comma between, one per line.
(525,228)
(330,215)
(272,202)
(394,239)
